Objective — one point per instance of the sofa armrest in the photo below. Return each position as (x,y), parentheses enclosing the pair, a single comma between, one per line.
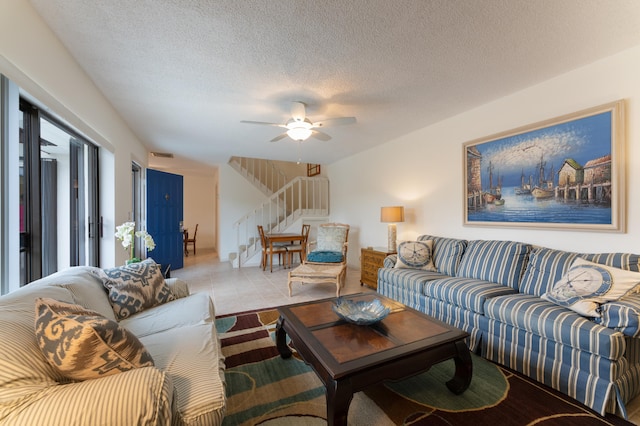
(622,315)
(390,261)
(178,287)
(141,396)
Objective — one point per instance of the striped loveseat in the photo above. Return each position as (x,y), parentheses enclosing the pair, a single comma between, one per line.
(493,289)
(182,385)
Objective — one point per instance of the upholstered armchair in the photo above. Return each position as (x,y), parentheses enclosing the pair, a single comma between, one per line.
(330,245)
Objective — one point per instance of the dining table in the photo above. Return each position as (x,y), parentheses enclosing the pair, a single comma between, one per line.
(274,238)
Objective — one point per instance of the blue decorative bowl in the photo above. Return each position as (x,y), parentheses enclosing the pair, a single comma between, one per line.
(360,312)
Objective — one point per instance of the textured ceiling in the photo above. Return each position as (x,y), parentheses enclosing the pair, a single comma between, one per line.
(183,73)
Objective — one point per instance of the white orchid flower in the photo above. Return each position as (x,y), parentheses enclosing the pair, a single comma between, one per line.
(126,233)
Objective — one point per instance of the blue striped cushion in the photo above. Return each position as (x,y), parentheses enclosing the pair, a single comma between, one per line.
(390,261)
(410,279)
(468,293)
(622,315)
(461,318)
(447,253)
(500,262)
(546,266)
(556,323)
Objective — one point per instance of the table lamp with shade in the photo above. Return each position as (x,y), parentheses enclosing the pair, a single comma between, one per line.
(391,215)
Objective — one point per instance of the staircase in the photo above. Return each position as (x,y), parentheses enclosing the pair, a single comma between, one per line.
(263,174)
(301,197)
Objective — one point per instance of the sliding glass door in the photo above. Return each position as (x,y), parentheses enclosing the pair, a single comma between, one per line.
(59,219)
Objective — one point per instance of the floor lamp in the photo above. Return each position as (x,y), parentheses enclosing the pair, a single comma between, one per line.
(391,215)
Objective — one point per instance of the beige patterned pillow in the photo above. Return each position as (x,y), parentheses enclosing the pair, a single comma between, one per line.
(83,344)
(135,287)
(416,255)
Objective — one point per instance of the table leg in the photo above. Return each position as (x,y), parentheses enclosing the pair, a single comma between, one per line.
(339,395)
(464,369)
(281,339)
(271,255)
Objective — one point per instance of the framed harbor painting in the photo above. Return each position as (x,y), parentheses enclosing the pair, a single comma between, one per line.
(564,173)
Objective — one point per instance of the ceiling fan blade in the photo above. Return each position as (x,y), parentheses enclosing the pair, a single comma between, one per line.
(320,135)
(262,123)
(279,137)
(340,121)
(298,112)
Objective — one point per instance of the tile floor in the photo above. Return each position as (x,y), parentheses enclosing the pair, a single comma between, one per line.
(245,289)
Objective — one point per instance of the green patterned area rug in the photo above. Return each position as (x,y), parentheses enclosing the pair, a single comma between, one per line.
(264,389)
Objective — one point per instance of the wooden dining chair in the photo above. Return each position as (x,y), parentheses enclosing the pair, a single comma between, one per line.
(267,251)
(299,247)
(191,241)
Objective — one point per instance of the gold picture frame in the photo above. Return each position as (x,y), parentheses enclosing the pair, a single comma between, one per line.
(565,173)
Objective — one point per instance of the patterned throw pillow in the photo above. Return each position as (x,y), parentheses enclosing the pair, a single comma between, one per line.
(83,344)
(135,287)
(586,285)
(416,255)
(331,238)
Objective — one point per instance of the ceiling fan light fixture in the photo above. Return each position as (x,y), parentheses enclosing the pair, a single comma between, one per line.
(299,133)
(299,130)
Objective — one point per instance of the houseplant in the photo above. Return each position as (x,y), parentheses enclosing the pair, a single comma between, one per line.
(126,233)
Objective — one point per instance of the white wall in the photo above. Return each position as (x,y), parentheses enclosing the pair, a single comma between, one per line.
(237,197)
(200,208)
(423,170)
(34,59)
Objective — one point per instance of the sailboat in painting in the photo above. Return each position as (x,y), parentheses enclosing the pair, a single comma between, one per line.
(495,192)
(524,188)
(544,189)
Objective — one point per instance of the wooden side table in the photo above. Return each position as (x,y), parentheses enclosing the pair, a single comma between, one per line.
(371,259)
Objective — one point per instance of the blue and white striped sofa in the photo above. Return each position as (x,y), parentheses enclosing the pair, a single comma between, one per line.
(492,289)
(184,387)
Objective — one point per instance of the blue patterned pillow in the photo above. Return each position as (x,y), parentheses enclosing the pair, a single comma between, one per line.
(415,255)
(135,287)
(587,285)
(546,266)
(83,344)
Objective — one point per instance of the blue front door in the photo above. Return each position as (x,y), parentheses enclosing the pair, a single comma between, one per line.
(164,217)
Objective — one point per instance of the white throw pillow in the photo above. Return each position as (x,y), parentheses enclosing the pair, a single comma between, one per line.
(416,255)
(587,285)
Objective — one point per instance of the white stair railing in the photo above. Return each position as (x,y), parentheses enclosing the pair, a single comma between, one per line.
(303,196)
(263,174)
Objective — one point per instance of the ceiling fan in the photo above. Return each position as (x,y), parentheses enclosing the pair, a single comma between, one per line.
(300,128)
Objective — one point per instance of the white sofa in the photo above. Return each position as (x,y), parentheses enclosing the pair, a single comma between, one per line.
(184,387)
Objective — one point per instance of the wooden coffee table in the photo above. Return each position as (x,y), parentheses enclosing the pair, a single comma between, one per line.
(349,358)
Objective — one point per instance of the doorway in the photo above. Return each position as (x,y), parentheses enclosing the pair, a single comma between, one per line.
(165,217)
(59,219)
